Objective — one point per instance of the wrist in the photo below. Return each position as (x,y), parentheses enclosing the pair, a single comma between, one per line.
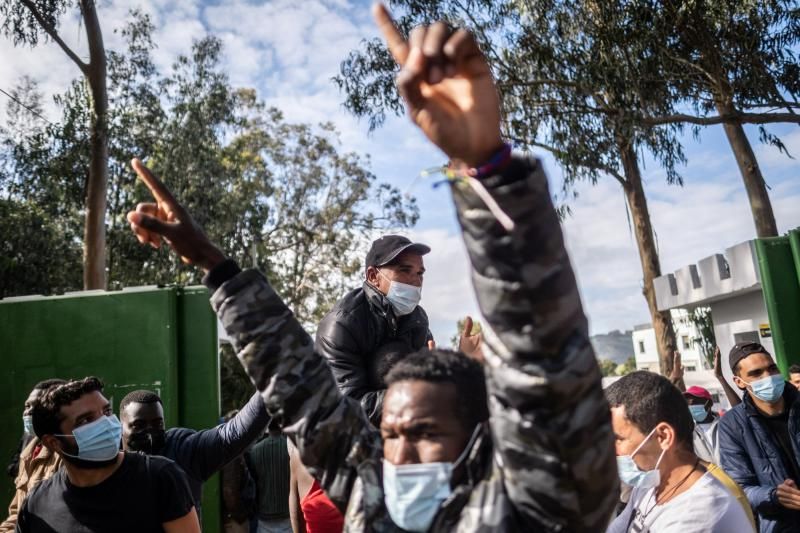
(491,164)
(211,257)
(481,156)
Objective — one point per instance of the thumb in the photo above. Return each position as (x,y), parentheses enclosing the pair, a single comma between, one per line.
(467,326)
(431,345)
(791,483)
(150,223)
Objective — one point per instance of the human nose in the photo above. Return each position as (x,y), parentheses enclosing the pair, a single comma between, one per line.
(404,453)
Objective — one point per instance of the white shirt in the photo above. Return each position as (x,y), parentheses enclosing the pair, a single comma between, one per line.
(707,507)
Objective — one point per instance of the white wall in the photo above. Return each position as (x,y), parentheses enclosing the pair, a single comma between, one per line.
(691,357)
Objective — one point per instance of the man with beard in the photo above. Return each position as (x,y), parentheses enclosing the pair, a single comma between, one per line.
(201,454)
(100,488)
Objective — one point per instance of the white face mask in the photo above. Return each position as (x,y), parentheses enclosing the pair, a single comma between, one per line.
(414,492)
(403,297)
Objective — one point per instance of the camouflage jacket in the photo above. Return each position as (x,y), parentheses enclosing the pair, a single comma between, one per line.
(547,461)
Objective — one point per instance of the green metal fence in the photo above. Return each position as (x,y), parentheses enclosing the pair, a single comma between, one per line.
(779,266)
(162,339)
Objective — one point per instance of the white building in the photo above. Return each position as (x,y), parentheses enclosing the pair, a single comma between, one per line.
(730,285)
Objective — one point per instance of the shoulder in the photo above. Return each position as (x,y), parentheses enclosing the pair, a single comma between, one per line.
(176,436)
(351,307)
(735,417)
(46,489)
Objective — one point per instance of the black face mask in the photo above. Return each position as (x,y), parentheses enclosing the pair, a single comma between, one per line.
(149,441)
(72,449)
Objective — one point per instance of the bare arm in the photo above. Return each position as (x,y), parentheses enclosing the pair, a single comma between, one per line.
(730,393)
(188,523)
(295,511)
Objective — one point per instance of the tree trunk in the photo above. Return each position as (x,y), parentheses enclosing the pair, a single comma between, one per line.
(760,205)
(648,254)
(94,237)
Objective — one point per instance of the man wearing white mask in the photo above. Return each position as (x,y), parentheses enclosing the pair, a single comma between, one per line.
(373,326)
(672,490)
(100,488)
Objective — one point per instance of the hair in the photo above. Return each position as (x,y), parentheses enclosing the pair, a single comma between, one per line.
(794,369)
(47,383)
(447,366)
(47,408)
(650,399)
(139,396)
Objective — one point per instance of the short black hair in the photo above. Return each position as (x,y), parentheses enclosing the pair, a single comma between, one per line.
(47,383)
(447,366)
(46,412)
(794,369)
(650,399)
(139,396)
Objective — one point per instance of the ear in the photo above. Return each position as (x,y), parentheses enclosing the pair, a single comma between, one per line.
(372,275)
(665,435)
(52,443)
(739,382)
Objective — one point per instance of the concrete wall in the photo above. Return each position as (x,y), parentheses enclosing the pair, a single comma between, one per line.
(711,279)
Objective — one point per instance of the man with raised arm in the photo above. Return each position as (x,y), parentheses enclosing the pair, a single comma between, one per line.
(529,446)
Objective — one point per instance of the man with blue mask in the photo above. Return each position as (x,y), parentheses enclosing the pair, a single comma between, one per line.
(706,424)
(100,488)
(377,323)
(544,461)
(673,490)
(760,438)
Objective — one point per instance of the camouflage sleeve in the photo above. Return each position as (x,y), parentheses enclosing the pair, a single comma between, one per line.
(549,417)
(331,431)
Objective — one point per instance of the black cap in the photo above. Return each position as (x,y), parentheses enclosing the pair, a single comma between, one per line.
(742,350)
(385,249)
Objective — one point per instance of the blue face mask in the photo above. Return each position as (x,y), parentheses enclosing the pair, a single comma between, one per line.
(768,389)
(403,297)
(699,412)
(97,441)
(413,493)
(27,424)
(630,474)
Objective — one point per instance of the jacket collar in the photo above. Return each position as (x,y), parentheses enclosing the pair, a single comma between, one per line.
(790,396)
(378,302)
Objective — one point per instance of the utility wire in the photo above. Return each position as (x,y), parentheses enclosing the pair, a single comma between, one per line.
(36,113)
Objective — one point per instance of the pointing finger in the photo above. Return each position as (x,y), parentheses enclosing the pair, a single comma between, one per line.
(157,188)
(398,46)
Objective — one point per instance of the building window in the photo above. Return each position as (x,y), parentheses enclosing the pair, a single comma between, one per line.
(685,341)
(641,346)
(690,368)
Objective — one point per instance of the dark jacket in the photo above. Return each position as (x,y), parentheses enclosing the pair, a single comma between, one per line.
(354,331)
(751,456)
(201,454)
(546,460)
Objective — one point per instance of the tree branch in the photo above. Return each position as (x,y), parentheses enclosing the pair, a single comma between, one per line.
(743,118)
(51,31)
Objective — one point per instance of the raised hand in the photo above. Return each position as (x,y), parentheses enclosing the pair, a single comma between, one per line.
(167,220)
(717,363)
(448,88)
(471,344)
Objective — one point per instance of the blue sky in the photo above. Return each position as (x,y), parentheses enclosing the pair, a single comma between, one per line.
(290,50)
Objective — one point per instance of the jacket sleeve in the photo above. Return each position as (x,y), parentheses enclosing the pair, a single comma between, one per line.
(331,431)
(549,417)
(211,449)
(337,344)
(737,464)
(10,523)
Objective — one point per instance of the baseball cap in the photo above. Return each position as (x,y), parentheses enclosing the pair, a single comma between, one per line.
(698,392)
(742,350)
(384,250)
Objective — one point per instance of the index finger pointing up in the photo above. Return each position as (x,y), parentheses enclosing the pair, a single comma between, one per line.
(394,39)
(158,189)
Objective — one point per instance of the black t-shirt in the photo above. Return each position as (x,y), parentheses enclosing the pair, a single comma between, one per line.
(144,492)
(779,426)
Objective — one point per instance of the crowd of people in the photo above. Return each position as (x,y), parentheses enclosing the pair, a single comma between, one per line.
(372,427)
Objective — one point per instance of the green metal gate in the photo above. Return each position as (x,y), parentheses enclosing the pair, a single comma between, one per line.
(161,339)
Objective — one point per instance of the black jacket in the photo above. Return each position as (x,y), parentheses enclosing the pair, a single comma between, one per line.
(361,337)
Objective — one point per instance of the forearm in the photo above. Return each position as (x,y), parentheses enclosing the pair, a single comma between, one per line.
(295,383)
(730,393)
(549,414)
